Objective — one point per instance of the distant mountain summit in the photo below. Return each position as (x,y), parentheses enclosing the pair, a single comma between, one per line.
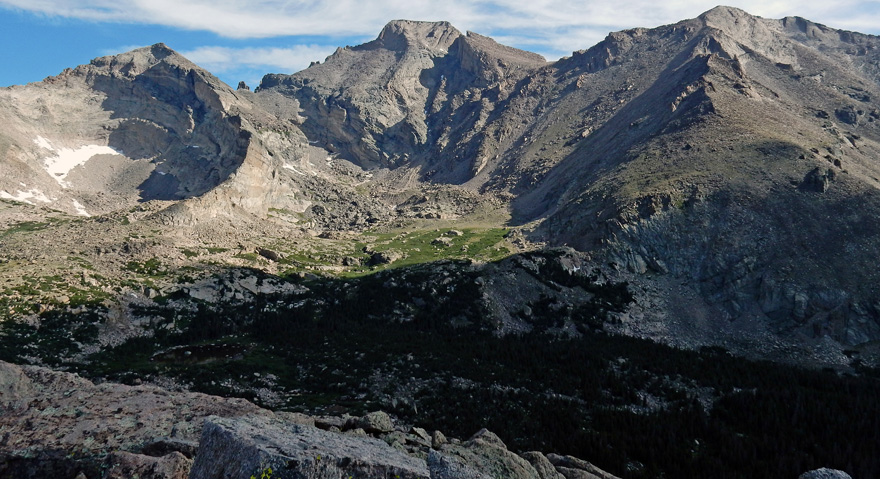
(393,101)
(726,166)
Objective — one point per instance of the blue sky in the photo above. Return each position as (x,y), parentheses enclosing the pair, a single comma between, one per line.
(242,40)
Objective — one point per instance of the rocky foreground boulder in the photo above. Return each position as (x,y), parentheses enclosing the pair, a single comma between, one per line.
(242,447)
(825,473)
(55,424)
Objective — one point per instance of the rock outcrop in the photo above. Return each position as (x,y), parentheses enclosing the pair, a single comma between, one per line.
(574,468)
(825,473)
(57,424)
(239,447)
(125,465)
(487,453)
(248,446)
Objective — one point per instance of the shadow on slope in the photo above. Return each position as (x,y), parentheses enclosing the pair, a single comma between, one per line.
(171,114)
(416,341)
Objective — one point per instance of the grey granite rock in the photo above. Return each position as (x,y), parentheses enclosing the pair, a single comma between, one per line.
(486,453)
(448,467)
(376,422)
(825,473)
(542,465)
(242,447)
(56,424)
(125,465)
(574,468)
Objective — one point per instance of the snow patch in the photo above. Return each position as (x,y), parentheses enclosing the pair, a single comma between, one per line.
(67,159)
(291,168)
(43,143)
(25,196)
(80,209)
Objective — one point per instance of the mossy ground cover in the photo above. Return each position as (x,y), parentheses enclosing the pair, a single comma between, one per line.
(28,295)
(58,336)
(24,227)
(437,244)
(407,248)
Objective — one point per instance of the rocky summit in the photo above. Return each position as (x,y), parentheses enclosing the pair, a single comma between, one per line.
(435,213)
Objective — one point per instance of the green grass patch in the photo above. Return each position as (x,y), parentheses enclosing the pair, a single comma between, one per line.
(252,257)
(151,267)
(24,227)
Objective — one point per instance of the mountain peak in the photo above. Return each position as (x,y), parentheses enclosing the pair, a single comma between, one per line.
(136,61)
(724,12)
(400,34)
(728,19)
(161,50)
(156,52)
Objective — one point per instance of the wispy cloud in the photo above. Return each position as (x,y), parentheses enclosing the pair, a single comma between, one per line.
(548,26)
(278,60)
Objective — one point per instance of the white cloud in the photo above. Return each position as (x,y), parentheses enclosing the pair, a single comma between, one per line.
(255,19)
(278,60)
(544,25)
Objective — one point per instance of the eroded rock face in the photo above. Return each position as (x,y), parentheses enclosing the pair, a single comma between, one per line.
(248,446)
(485,452)
(143,125)
(53,422)
(542,465)
(393,102)
(125,465)
(825,473)
(148,125)
(690,151)
(574,468)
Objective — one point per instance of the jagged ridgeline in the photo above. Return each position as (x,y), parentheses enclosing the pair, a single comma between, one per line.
(576,254)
